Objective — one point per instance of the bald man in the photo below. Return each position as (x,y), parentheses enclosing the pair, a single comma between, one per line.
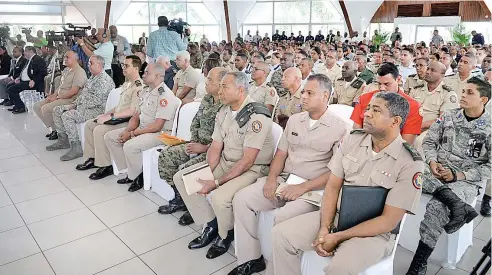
(349,87)
(434,97)
(262,91)
(290,103)
(306,66)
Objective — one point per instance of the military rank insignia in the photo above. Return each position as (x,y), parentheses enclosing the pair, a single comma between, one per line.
(160,90)
(256,126)
(417,180)
(163,102)
(138,83)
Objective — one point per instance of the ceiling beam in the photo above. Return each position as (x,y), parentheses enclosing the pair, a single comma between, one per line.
(346,17)
(228,23)
(108,11)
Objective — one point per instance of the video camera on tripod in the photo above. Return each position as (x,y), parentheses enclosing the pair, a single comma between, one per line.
(66,35)
(179,26)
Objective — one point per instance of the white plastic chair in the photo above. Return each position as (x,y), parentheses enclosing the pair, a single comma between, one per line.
(312,264)
(266,219)
(151,171)
(111,102)
(29,97)
(450,247)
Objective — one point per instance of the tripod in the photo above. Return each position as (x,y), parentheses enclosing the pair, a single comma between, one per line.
(486,253)
(55,66)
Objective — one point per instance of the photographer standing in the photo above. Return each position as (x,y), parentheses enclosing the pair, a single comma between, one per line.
(39,41)
(164,42)
(105,49)
(121,49)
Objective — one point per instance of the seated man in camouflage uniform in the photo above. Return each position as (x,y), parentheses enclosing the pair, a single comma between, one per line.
(457,148)
(90,103)
(178,157)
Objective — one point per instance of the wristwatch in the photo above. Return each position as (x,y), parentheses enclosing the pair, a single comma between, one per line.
(217,184)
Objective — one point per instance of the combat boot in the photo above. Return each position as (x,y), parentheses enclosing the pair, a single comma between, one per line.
(485,208)
(460,212)
(75,152)
(61,143)
(176,204)
(419,262)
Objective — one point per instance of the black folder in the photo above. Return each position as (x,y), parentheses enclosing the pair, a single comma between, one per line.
(361,203)
(117,121)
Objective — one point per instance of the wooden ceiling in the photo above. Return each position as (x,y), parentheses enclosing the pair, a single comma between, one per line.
(470,11)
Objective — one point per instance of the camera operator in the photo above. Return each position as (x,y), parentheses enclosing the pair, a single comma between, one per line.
(4,61)
(105,49)
(18,63)
(19,42)
(39,41)
(121,49)
(164,42)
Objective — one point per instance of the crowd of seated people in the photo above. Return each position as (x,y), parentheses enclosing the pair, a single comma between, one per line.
(421,123)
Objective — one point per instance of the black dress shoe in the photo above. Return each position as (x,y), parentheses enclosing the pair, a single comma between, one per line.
(8,103)
(186,219)
(249,267)
(176,204)
(88,164)
(19,111)
(102,173)
(137,184)
(208,235)
(53,135)
(12,109)
(219,247)
(124,181)
(48,135)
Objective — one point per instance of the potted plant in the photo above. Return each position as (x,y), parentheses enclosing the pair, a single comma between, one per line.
(380,38)
(460,35)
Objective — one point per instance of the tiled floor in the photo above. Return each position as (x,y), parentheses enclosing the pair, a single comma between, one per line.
(54,220)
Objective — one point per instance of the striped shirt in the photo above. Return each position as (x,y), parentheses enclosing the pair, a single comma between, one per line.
(166,43)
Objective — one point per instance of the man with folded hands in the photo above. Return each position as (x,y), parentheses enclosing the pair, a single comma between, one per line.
(304,150)
(240,153)
(95,151)
(155,114)
(181,156)
(375,156)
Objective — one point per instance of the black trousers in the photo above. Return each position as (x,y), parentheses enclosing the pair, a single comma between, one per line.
(14,90)
(109,72)
(118,76)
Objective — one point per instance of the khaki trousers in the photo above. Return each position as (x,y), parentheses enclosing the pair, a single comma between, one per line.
(292,237)
(418,144)
(246,204)
(94,145)
(44,110)
(220,205)
(487,188)
(129,154)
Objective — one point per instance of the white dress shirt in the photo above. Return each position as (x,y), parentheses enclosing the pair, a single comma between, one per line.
(24,75)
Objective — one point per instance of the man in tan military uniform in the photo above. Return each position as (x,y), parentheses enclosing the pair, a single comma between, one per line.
(95,151)
(72,80)
(237,157)
(418,78)
(290,103)
(261,91)
(465,67)
(331,68)
(434,97)
(363,159)
(186,80)
(304,150)
(349,87)
(155,114)
(377,61)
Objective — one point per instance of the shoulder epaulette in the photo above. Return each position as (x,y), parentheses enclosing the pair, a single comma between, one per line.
(412,75)
(358,131)
(160,90)
(251,108)
(138,83)
(450,75)
(412,151)
(357,83)
(447,88)
(419,86)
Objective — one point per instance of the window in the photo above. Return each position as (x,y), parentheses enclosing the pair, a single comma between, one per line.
(170,10)
(292,12)
(16,8)
(324,11)
(30,19)
(261,13)
(198,13)
(136,13)
(282,28)
(133,33)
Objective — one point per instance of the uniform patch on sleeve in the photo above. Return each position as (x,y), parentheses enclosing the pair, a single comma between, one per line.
(138,83)
(163,102)
(417,180)
(256,126)
(453,99)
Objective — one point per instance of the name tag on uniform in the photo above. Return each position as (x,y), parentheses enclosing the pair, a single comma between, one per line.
(351,158)
(294,134)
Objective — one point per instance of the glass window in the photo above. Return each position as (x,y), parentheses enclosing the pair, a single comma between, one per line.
(171,10)
(73,15)
(261,13)
(212,33)
(292,12)
(197,33)
(304,29)
(135,13)
(133,33)
(11,8)
(282,28)
(198,13)
(30,19)
(264,29)
(324,11)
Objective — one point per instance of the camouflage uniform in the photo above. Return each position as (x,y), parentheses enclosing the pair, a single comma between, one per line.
(196,61)
(463,146)
(175,158)
(276,82)
(88,105)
